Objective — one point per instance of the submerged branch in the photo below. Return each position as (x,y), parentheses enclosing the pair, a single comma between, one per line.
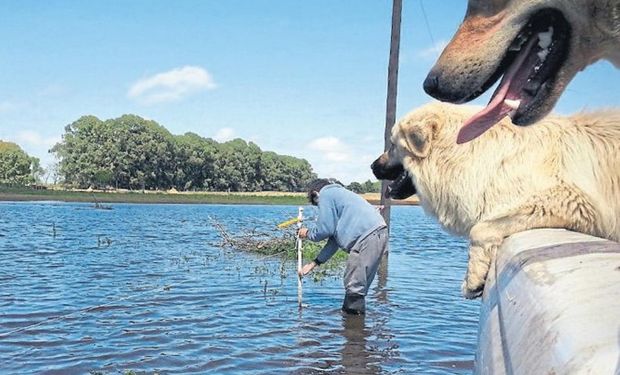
(256,241)
(276,242)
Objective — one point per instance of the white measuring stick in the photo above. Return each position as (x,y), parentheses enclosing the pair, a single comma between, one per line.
(300,217)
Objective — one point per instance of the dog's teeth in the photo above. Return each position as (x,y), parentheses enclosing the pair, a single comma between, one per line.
(544,39)
(542,55)
(514,104)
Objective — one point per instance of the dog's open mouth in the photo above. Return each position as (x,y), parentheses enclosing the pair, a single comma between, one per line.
(529,71)
(401,188)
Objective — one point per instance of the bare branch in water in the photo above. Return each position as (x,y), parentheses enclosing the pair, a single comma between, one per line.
(256,241)
(279,243)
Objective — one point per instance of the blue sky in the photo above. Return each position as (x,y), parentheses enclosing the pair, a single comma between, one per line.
(304,78)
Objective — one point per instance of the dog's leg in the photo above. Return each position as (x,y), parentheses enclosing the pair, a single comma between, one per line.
(560,207)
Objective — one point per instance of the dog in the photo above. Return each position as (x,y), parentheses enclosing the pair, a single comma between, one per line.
(562,173)
(538,46)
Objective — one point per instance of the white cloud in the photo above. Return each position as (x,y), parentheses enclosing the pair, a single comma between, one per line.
(35,139)
(432,51)
(33,142)
(224,134)
(172,85)
(331,157)
(332,149)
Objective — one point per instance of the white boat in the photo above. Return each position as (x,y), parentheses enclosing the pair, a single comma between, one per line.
(551,305)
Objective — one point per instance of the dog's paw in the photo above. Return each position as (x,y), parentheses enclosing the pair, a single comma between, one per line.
(471,293)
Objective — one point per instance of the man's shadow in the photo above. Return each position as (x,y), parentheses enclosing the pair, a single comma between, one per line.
(355,354)
(356,359)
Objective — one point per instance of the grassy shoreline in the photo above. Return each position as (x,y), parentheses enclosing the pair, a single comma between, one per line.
(149,197)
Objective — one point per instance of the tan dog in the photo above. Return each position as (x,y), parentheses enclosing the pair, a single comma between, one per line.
(562,173)
(538,46)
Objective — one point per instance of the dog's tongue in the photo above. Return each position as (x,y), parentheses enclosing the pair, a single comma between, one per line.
(483,121)
(505,99)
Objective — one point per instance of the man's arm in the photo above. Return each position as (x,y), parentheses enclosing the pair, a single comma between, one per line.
(326,252)
(326,223)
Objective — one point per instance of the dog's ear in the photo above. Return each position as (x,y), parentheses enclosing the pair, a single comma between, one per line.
(419,134)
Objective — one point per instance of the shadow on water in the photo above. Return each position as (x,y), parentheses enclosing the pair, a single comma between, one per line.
(368,346)
(356,359)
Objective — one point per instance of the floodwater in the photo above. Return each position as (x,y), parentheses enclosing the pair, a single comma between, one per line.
(144,288)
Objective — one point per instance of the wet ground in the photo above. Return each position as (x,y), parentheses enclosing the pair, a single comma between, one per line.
(144,288)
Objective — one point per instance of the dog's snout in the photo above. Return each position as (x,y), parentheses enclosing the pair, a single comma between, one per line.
(376,167)
(443,88)
(383,171)
(431,84)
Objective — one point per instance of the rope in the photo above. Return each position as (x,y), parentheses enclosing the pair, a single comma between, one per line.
(428,27)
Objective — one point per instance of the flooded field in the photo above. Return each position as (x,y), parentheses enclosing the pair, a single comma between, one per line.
(145,289)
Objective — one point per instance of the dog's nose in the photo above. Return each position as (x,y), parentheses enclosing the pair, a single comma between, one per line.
(374,167)
(431,84)
(377,169)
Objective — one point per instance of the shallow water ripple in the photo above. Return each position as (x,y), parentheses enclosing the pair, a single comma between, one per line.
(144,288)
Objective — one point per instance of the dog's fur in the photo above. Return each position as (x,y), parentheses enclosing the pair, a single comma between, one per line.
(490,26)
(562,173)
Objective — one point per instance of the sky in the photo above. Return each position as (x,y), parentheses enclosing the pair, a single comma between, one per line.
(302,78)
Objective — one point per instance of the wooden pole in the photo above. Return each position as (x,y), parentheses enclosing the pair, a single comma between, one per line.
(390,113)
(300,218)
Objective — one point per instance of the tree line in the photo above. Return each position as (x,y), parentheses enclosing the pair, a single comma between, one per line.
(365,187)
(130,152)
(16,166)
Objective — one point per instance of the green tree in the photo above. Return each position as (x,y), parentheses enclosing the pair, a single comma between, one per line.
(297,173)
(366,187)
(195,158)
(127,152)
(82,151)
(372,187)
(16,166)
(134,153)
(356,187)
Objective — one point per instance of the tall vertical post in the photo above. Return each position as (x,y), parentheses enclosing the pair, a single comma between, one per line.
(300,219)
(390,112)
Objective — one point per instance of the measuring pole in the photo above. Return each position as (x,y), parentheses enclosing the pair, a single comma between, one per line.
(300,218)
(390,113)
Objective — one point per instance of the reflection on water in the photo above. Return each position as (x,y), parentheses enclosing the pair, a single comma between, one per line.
(143,288)
(355,357)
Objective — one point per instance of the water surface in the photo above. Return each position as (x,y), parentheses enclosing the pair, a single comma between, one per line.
(145,288)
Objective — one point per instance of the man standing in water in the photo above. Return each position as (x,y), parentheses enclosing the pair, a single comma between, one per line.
(349,222)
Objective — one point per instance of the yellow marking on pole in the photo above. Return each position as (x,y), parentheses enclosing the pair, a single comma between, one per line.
(288,223)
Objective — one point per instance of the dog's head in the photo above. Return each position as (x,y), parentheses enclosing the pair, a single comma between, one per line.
(411,144)
(537,46)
